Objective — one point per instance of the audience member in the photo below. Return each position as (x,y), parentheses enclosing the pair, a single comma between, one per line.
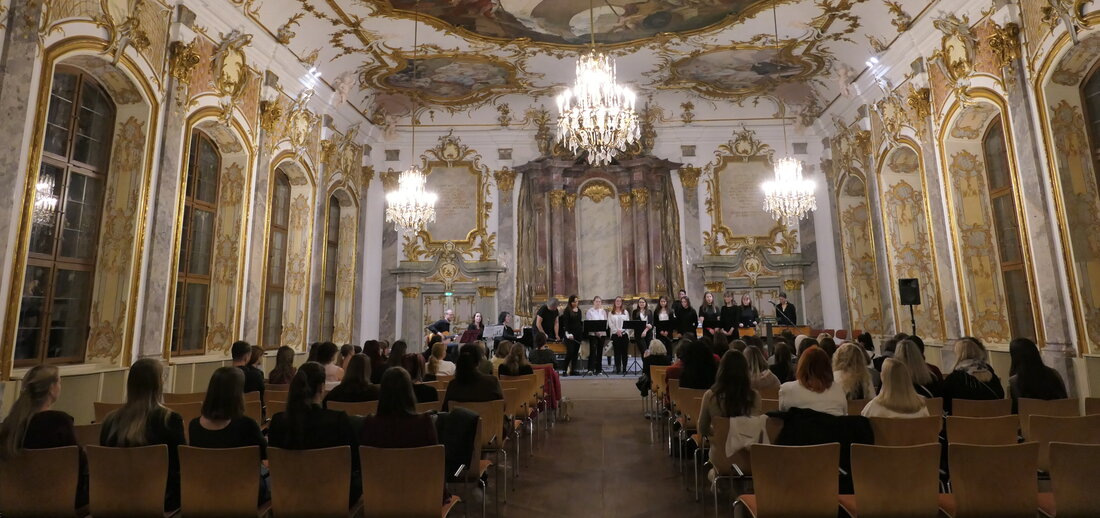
(1029,377)
(416,368)
(397,424)
(346,351)
(760,375)
(936,372)
(542,355)
(516,364)
(397,354)
(438,365)
(738,345)
(312,354)
(655,354)
(143,420)
(284,370)
(256,360)
(827,344)
(356,386)
(700,367)
(223,424)
(868,343)
(806,344)
(469,384)
(719,344)
(326,356)
(731,395)
(889,347)
(253,378)
(373,350)
(898,397)
(814,387)
(782,363)
(924,380)
(850,371)
(501,354)
(971,377)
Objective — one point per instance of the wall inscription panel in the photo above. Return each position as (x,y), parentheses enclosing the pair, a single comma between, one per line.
(739,190)
(456,209)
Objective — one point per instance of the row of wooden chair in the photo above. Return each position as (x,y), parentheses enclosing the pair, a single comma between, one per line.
(903,481)
(225,482)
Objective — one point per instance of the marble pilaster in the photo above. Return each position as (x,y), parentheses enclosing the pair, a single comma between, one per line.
(809,307)
(940,234)
(505,294)
(254,283)
(643,284)
(570,225)
(626,242)
(882,266)
(388,299)
(693,234)
(557,248)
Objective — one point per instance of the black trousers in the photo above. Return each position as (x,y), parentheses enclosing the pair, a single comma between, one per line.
(595,353)
(621,344)
(572,352)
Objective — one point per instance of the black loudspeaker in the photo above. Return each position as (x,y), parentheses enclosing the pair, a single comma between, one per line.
(909,292)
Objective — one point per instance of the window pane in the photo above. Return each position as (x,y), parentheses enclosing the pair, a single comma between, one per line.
(93,127)
(1020,316)
(185,239)
(1008,236)
(206,186)
(202,240)
(177,317)
(996,158)
(46,204)
(328,316)
(276,262)
(330,268)
(280,203)
(194,317)
(273,318)
(333,220)
(32,312)
(59,118)
(82,215)
(72,299)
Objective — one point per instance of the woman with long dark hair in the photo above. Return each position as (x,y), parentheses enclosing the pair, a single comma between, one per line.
(143,420)
(699,366)
(397,353)
(397,424)
(469,384)
(709,315)
(783,366)
(284,370)
(686,319)
(643,313)
(356,386)
(223,424)
(731,395)
(747,315)
(729,315)
(662,314)
(477,323)
(571,325)
(620,342)
(1029,377)
(373,350)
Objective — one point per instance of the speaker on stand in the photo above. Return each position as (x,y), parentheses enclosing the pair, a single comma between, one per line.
(909,293)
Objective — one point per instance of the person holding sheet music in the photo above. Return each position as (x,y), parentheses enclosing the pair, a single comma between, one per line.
(729,316)
(644,314)
(662,316)
(708,315)
(620,340)
(749,316)
(595,340)
(571,323)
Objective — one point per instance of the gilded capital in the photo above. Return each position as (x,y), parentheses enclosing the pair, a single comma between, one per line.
(486,291)
(389,180)
(689,176)
(410,292)
(792,284)
(557,196)
(641,196)
(625,200)
(366,175)
(184,59)
(271,116)
(570,200)
(506,179)
(715,287)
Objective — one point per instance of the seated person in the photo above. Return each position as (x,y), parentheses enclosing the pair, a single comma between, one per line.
(469,384)
(223,423)
(542,355)
(438,365)
(517,364)
(423,393)
(356,386)
(898,397)
(814,387)
(397,424)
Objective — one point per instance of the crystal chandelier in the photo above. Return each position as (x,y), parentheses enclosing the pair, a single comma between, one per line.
(411,207)
(597,115)
(788,196)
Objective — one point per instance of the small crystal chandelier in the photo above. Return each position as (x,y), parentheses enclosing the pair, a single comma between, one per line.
(597,115)
(788,196)
(411,207)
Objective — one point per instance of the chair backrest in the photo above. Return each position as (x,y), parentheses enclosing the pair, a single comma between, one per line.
(88,434)
(444,378)
(252,396)
(988,431)
(935,406)
(40,482)
(1092,405)
(1074,477)
(127,481)
(981,407)
(994,480)
(693,406)
(362,408)
(513,402)
(402,482)
(855,406)
(1027,407)
(896,431)
(183,397)
(769,393)
(431,406)
(102,410)
(275,406)
(310,483)
(276,387)
(1048,429)
(796,480)
(254,410)
(438,385)
(540,378)
(657,379)
(769,405)
(492,420)
(530,385)
(876,471)
(187,411)
(219,482)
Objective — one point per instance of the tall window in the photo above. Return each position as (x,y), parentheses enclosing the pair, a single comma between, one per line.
(1091,95)
(68,208)
(1006,226)
(200,211)
(276,261)
(332,248)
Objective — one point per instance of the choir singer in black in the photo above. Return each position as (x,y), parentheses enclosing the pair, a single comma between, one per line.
(785,314)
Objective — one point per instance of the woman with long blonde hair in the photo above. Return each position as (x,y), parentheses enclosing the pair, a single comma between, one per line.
(924,382)
(31,424)
(898,398)
(437,365)
(850,369)
(971,377)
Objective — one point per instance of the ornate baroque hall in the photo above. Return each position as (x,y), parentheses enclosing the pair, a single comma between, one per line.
(393,253)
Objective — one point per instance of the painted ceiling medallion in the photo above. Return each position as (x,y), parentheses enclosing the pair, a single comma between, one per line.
(740,71)
(566,22)
(454,80)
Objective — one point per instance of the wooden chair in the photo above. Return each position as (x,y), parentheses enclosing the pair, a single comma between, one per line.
(184,397)
(731,466)
(277,387)
(528,384)
(275,407)
(1074,477)
(362,408)
(220,482)
(896,431)
(769,405)
(513,405)
(792,481)
(88,434)
(252,396)
(311,483)
(473,473)
(876,471)
(1092,405)
(1027,407)
(127,481)
(404,482)
(492,432)
(935,406)
(187,411)
(102,410)
(769,393)
(981,407)
(40,482)
(444,379)
(1049,429)
(989,481)
(855,406)
(987,431)
(438,385)
(431,406)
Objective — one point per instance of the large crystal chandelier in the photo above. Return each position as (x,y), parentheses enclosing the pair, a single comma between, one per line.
(597,115)
(411,206)
(788,196)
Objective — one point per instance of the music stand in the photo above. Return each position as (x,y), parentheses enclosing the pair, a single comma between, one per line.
(591,327)
(492,332)
(638,327)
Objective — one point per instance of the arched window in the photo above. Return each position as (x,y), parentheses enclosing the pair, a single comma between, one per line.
(278,231)
(1006,225)
(200,211)
(68,209)
(1090,93)
(332,248)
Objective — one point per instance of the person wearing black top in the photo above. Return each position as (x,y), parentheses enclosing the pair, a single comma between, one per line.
(469,384)
(748,316)
(253,378)
(546,319)
(356,386)
(505,319)
(223,423)
(542,355)
(477,324)
(700,368)
(423,393)
(785,314)
(686,318)
(1029,377)
(571,324)
(306,425)
(708,313)
(728,317)
(643,313)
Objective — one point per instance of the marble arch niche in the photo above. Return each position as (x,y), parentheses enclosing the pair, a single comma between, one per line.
(556,196)
(298,251)
(909,247)
(125,190)
(597,227)
(341,269)
(858,254)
